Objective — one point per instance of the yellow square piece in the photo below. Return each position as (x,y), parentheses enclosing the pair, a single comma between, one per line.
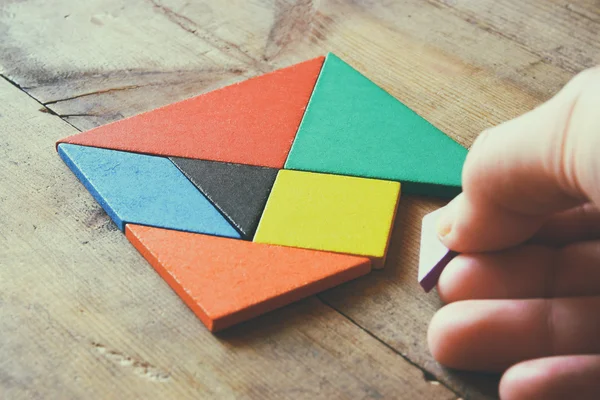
(335,213)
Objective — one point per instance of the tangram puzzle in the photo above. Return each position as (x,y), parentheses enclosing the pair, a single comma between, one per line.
(261,193)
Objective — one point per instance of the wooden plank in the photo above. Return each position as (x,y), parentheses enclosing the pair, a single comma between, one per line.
(219,47)
(463,65)
(536,45)
(83,315)
(433,68)
(559,33)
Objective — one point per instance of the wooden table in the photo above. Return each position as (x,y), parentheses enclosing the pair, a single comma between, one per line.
(82,315)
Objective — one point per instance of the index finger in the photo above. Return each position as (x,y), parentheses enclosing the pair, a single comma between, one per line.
(525,170)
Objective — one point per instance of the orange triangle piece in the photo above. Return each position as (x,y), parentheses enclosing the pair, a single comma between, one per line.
(252,122)
(227,281)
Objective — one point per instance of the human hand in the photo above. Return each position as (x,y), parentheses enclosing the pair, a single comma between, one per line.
(524,295)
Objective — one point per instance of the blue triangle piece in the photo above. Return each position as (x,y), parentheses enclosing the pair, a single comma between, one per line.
(145,190)
(353,127)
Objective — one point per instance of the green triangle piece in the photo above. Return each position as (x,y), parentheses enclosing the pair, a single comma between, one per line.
(353,127)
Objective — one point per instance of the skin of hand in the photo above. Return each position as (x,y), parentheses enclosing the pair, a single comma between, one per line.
(523,298)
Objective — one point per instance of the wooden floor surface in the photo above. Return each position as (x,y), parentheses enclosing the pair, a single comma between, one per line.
(82,315)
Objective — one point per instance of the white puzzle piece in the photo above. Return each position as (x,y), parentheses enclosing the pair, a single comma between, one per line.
(434,256)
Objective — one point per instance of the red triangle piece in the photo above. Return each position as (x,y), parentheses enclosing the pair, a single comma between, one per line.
(252,122)
(227,281)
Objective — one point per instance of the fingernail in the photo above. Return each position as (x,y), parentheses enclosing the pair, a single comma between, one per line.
(445,221)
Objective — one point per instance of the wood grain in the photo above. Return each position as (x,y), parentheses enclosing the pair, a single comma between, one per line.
(95,311)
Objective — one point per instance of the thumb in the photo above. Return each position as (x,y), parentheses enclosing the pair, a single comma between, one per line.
(527,169)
